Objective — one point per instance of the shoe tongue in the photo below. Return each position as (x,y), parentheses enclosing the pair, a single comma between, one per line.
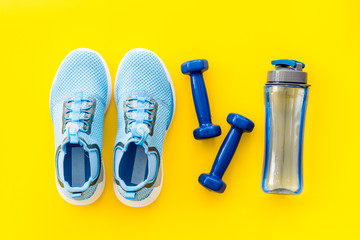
(72,130)
(75,117)
(140,116)
(139,132)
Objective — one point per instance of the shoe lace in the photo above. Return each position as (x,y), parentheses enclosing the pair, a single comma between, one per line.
(76,116)
(140,115)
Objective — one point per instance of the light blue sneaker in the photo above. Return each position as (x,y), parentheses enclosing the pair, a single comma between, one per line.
(79,98)
(145,100)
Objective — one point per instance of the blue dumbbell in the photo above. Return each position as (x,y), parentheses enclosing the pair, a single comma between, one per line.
(213,181)
(195,69)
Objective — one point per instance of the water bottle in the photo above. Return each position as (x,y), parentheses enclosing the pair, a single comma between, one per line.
(286,95)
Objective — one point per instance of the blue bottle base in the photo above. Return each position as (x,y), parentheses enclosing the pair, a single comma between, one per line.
(208,131)
(212,183)
(282,191)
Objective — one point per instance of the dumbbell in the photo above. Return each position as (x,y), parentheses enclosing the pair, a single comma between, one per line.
(195,69)
(239,124)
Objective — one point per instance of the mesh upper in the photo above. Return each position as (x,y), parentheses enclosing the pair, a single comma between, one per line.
(81,71)
(142,71)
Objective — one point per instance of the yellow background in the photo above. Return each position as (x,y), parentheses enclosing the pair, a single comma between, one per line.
(239,39)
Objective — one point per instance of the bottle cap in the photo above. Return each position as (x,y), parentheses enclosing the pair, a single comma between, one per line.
(287,71)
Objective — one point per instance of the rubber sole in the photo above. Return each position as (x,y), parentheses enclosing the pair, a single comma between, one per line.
(156,192)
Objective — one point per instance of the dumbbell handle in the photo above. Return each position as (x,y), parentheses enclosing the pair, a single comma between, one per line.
(200,97)
(226,152)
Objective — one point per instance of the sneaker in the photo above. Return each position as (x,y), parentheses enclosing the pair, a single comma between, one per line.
(145,100)
(79,98)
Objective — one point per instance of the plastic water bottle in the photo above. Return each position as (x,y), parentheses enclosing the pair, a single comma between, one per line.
(286,94)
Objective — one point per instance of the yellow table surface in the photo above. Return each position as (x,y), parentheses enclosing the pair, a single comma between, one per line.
(239,39)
